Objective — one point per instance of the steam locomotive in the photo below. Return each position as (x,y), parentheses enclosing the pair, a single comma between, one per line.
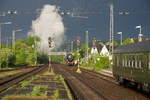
(70,59)
(131,63)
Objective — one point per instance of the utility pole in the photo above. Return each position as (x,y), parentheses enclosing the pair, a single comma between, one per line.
(13,39)
(111,45)
(71,46)
(1,36)
(87,45)
(78,48)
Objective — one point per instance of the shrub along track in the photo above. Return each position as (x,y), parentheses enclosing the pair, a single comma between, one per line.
(14,79)
(103,87)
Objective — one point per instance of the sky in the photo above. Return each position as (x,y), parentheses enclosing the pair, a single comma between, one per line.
(93,16)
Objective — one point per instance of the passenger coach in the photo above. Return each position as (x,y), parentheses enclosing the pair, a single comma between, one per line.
(131,63)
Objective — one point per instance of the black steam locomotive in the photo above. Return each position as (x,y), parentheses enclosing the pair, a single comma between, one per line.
(70,59)
(131,63)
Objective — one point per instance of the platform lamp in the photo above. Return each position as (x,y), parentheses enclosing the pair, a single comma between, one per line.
(120,33)
(140,33)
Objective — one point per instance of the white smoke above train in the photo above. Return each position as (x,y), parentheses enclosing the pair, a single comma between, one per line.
(48,24)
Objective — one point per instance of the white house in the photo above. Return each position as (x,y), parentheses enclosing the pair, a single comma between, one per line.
(104,51)
(94,50)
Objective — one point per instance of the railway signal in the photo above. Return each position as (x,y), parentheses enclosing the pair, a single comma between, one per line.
(50,42)
(78,42)
(50,45)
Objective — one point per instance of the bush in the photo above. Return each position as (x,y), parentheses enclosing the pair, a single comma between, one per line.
(11,60)
(96,64)
(57,59)
(42,59)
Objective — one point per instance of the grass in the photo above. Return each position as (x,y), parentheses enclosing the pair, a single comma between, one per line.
(37,90)
(41,90)
(49,73)
(25,84)
(56,95)
(11,88)
(26,98)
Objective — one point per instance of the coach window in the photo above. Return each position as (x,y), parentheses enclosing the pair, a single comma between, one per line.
(129,61)
(125,61)
(140,64)
(140,61)
(132,60)
(136,61)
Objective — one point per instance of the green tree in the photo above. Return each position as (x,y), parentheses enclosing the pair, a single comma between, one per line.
(127,41)
(24,53)
(82,50)
(31,40)
(42,59)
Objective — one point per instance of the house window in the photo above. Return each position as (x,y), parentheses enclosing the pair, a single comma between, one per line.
(132,63)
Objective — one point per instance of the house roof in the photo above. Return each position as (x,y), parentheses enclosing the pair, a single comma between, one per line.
(137,40)
(143,46)
(99,46)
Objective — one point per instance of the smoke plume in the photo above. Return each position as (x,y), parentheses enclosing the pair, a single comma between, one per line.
(48,24)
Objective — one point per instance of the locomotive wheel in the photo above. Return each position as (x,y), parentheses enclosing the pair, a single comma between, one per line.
(120,80)
(146,87)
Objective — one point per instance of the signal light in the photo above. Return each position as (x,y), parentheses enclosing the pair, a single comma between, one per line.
(78,41)
(49,42)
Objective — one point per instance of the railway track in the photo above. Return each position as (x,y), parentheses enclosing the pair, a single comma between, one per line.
(102,86)
(14,79)
(15,69)
(100,75)
(78,88)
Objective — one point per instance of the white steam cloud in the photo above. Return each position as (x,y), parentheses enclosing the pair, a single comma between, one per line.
(48,24)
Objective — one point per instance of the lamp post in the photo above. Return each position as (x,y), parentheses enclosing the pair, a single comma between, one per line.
(120,33)
(3,23)
(14,37)
(72,46)
(140,33)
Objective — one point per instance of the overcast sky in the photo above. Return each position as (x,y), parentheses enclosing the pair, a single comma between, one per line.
(97,22)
